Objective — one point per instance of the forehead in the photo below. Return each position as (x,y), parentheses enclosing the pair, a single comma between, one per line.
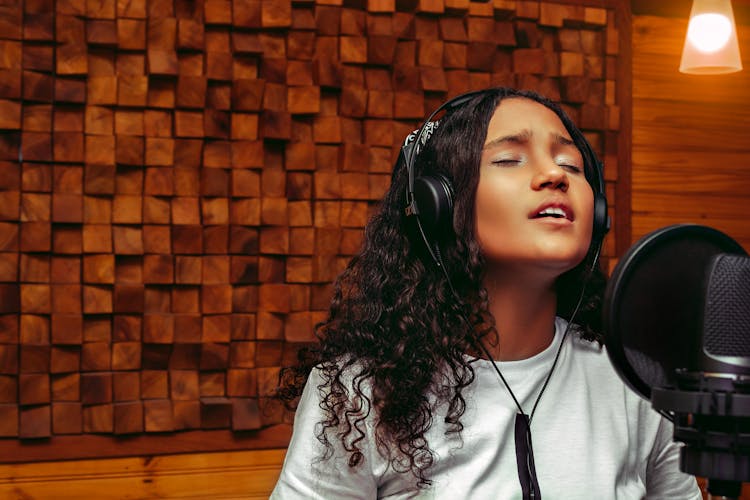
(516,114)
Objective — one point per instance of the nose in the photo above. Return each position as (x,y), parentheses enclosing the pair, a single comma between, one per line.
(550,175)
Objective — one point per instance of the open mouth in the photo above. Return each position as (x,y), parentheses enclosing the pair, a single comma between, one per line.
(553,212)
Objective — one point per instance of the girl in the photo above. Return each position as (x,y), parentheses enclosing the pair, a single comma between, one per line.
(446,349)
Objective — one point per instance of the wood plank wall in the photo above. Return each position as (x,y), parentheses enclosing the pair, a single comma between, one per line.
(691,151)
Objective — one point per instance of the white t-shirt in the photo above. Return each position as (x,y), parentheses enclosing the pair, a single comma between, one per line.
(592,438)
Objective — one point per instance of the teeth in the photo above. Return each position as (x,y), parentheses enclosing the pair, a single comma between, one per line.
(554,211)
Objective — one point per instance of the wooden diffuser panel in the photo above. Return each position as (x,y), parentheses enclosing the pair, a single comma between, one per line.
(181,181)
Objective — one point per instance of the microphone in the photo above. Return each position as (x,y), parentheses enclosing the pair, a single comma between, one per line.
(677,330)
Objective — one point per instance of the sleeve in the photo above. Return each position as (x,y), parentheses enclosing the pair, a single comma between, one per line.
(664,479)
(305,473)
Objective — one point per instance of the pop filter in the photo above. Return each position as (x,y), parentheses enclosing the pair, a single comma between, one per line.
(654,301)
(677,330)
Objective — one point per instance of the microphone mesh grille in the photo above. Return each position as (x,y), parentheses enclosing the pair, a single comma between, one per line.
(726,321)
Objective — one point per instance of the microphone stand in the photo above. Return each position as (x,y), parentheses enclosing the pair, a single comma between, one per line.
(712,418)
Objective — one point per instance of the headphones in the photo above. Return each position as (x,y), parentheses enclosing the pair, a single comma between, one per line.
(429,197)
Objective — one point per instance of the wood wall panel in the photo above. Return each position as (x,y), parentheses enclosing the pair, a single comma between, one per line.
(180,183)
(691,156)
(240,474)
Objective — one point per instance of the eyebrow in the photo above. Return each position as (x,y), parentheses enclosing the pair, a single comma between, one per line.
(523,137)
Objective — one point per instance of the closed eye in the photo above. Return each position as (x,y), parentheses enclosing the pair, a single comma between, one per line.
(506,162)
(572,168)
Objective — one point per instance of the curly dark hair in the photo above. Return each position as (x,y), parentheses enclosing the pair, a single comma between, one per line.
(394,316)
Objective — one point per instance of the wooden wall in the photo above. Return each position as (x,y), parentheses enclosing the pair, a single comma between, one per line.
(181,180)
(690,149)
(691,153)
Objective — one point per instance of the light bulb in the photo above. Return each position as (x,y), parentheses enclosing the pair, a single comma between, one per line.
(709,32)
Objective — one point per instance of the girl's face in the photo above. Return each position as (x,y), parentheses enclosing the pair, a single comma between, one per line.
(534,207)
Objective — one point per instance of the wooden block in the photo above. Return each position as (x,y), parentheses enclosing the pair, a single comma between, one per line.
(155,356)
(552,14)
(216,328)
(186,300)
(66,387)
(35,359)
(571,64)
(351,241)
(216,412)
(95,356)
(186,357)
(244,269)
(186,415)
(191,91)
(154,384)
(127,240)
(216,299)
(274,240)
(244,299)
(34,330)
(214,356)
(575,89)
(126,356)
(35,268)
(212,383)
(67,240)
(98,419)
(9,330)
(131,34)
(271,268)
(128,298)
(35,236)
(37,86)
(156,239)
(247,95)
(97,300)
(242,382)
(183,385)
(67,418)
(64,359)
(66,299)
(9,358)
(128,417)
(190,34)
(300,100)
(276,125)
(298,327)
(593,117)
(96,329)
(35,422)
(33,298)
(157,415)
(96,388)
(187,239)
(126,386)
(245,414)
(217,154)
(243,327)
(528,61)
(9,420)
(241,355)
(268,353)
(158,328)
(300,213)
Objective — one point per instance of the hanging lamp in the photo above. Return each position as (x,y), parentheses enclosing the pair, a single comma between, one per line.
(711,45)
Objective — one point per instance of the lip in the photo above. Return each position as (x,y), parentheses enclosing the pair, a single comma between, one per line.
(569,214)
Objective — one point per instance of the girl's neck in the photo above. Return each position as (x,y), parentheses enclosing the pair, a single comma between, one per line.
(524,310)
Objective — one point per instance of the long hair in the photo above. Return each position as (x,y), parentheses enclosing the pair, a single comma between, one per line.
(394,316)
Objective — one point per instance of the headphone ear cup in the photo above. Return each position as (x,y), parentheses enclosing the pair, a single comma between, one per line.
(601,217)
(433,196)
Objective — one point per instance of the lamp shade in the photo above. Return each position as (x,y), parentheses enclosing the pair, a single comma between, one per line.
(711,45)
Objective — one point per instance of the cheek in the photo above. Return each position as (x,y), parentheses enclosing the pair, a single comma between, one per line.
(492,208)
